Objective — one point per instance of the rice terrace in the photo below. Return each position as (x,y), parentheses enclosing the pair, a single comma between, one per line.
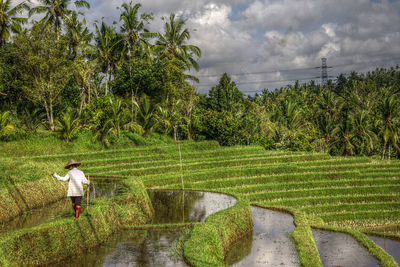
(358,196)
(200,133)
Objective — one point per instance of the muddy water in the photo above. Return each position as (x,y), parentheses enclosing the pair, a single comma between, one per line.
(390,246)
(156,247)
(62,208)
(269,244)
(338,249)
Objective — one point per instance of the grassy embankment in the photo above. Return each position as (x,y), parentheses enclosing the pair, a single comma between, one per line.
(352,195)
(65,237)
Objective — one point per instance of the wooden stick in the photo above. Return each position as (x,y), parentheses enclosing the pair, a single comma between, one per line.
(87,197)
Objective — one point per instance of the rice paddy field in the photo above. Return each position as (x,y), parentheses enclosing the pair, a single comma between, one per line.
(355,193)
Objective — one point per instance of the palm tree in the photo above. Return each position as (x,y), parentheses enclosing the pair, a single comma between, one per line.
(67,126)
(9,19)
(146,113)
(79,36)
(56,11)
(5,125)
(343,136)
(108,42)
(171,43)
(364,135)
(389,112)
(117,116)
(133,29)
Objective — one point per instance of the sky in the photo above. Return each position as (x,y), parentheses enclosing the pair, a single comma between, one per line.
(271,43)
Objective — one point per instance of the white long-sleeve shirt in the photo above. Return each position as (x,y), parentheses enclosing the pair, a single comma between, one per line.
(76,179)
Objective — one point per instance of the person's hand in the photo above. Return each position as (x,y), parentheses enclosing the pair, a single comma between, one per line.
(53,174)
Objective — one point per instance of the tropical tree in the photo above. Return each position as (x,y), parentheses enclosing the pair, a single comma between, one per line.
(365,138)
(146,114)
(78,35)
(9,19)
(225,96)
(56,11)
(46,66)
(117,115)
(108,43)
(172,43)
(67,126)
(344,136)
(133,28)
(389,112)
(5,125)
(32,120)
(83,71)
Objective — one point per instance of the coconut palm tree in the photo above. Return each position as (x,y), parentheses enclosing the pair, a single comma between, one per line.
(389,111)
(343,136)
(108,45)
(9,19)
(67,126)
(56,11)
(172,43)
(364,134)
(79,36)
(133,28)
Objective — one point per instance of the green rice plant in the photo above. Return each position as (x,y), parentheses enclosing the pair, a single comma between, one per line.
(346,207)
(387,214)
(273,186)
(347,191)
(300,202)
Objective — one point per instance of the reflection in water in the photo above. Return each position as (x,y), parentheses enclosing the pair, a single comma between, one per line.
(271,244)
(390,246)
(189,206)
(62,208)
(338,249)
(132,248)
(155,247)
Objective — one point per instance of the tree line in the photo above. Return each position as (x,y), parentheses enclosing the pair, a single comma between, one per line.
(56,74)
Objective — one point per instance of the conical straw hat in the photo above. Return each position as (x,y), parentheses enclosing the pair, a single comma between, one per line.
(72,162)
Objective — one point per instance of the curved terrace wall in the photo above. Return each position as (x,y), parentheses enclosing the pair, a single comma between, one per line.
(65,237)
(18,198)
(210,241)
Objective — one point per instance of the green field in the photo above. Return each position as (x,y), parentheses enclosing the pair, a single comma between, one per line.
(347,192)
(355,193)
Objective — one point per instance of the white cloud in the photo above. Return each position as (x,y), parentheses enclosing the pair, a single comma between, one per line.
(276,34)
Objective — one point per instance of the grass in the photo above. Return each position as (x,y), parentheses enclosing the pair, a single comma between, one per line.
(352,194)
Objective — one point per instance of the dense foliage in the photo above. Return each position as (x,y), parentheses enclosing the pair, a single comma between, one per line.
(57,75)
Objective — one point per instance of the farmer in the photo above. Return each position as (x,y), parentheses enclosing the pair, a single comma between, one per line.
(75,187)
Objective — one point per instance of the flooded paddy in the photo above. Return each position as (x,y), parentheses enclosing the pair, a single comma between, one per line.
(156,247)
(390,246)
(270,243)
(187,206)
(339,249)
(63,207)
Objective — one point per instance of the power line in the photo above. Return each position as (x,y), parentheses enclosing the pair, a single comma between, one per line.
(255,73)
(297,69)
(270,81)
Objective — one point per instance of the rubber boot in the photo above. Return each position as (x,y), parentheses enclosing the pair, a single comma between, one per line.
(73,206)
(78,211)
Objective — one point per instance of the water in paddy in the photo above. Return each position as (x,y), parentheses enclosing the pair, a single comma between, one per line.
(181,206)
(269,244)
(338,249)
(133,248)
(155,247)
(62,208)
(390,246)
